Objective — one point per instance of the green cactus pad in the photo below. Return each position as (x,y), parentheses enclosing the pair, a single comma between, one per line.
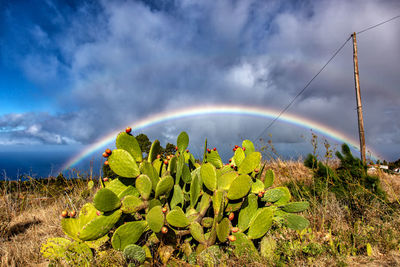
(286,196)
(177,197)
(218,201)
(105,200)
(204,202)
(148,169)
(154,150)
(247,212)
(240,187)
(135,253)
(239,156)
(128,233)
(195,188)
(86,214)
(272,195)
(295,222)
(153,203)
(257,187)
(207,222)
(123,164)
(249,147)
(143,185)
(223,229)
(131,204)
(192,215)
(129,143)
(117,186)
(70,227)
(182,142)
(269,178)
(186,175)
(296,206)
(233,206)
(173,166)
(179,169)
(226,179)
(177,218)
(250,163)
(99,226)
(90,185)
(155,219)
(209,176)
(54,248)
(214,158)
(244,247)
(260,223)
(96,244)
(196,230)
(129,191)
(164,186)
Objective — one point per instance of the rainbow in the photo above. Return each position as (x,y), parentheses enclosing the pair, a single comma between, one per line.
(163,117)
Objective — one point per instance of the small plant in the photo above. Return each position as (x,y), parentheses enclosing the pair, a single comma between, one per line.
(169,205)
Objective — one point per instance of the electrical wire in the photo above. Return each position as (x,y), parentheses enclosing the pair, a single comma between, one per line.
(304,88)
(379,24)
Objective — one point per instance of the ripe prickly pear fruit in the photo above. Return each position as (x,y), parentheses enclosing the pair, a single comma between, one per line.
(166,162)
(72,214)
(234,149)
(235,229)
(105,179)
(260,194)
(164,209)
(164,230)
(232,238)
(187,150)
(230,160)
(168,157)
(98,213)
(106,162)
(176,148)
(64,213)
(244,149)
(158,156)
(215,149)
(231,216)
(236,146)
(128,130)
(108,151)
(232,166)
(105,155)
(208,150)
(256,170)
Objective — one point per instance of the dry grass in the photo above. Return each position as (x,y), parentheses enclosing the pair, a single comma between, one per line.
(29,217)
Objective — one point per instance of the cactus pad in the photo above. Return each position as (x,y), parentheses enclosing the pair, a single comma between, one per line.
(99,226)
(135,253)
(164,186)
(257,187)
(269,178)
(154,150)
(223,229)
(155,219)
(248,210)
(131,204)
(105,200)
(214,158)
(177,218)
(250,163)
(296,206)
(144,186)
(239,156)
(150,171)
(209,176)
(195,188)
(123,164)
(70,227)
(129,191)
(295,222)
(130,144)
(226,179)
(182,142)
(197,232)
(128,233)
(177,197)
(240,187)
(249,147)
(260,223)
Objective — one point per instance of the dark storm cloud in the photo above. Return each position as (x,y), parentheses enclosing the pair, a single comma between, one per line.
(122,60)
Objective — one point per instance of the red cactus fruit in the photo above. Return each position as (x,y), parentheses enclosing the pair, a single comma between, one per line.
(64,213)
(105,179)
(231,216)
(230,160)
(164,230)
(166,162)
(234,149)
(128,130)
(256,170)
(176,147)
(260,194)
(235,229)
(72,214)
(164,210)
(244,149)
(98,213)
(232,238)
(215,149)
(108,151)
(236,146)
(105,155)
(158,156)
(187,150)
(106,162)
(208,150)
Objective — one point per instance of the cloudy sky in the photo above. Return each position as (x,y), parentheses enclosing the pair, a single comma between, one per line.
(73,71)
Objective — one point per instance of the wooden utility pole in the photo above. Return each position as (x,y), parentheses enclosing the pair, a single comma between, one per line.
(358,96)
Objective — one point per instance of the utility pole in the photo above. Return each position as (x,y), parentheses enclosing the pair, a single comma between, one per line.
(358,96)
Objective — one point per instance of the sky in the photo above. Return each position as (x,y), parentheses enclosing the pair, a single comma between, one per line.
(72,72)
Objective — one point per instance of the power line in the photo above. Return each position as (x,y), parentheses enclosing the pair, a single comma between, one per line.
(379,24)
(323,67)
(305,87)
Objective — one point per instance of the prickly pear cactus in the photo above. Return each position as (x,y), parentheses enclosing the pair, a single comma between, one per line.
(171,202)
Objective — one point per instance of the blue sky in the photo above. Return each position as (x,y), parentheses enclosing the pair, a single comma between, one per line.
(72,71)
